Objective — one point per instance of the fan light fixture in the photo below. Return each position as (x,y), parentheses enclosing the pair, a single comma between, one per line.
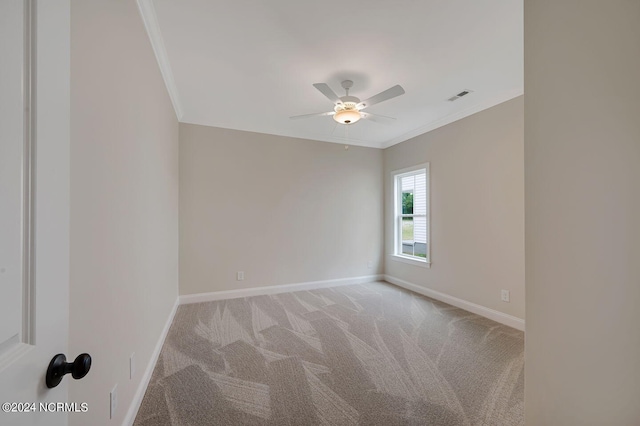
(347,116)
(346,109)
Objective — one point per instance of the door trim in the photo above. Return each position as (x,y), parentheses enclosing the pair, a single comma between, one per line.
(28,179)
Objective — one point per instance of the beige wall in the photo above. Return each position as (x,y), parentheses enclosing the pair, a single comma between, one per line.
(124,203)
(582,163)
(477,207)
(282,210)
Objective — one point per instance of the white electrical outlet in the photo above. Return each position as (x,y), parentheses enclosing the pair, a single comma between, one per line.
(240,276)
(370,264)
(505,295)
(132,365)
(113,405)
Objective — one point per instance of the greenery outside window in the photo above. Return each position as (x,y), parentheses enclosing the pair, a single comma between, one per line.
(411,206)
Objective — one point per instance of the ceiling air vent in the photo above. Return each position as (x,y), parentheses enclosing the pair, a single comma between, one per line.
(459,95)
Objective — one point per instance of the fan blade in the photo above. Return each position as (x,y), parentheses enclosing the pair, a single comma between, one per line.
(317,114)
(383,119)
(396,90)
(326,90)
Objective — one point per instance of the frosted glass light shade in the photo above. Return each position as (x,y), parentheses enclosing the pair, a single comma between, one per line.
(347,116)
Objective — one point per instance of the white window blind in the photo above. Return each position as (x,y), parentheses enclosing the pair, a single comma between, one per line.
(412,213)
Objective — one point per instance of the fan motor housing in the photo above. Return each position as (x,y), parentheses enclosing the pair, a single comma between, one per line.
(350,99)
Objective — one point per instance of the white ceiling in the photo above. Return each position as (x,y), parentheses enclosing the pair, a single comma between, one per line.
(250,64)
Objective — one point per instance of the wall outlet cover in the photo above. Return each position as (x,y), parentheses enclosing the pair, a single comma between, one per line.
(132,365)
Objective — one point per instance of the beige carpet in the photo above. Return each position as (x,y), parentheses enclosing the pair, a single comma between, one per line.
(370,354)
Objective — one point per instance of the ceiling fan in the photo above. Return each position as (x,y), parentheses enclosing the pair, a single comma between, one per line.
(349,109)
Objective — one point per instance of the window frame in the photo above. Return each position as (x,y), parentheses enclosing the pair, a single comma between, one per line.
(396,181)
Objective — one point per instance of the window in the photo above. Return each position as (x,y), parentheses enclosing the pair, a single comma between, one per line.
(411,206)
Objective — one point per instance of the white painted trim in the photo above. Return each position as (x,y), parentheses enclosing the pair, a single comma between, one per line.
(315,137)
(396,178)
(410,261)
(492,314)
(148,14)
(433,125)
(454,117)
(142,387)
(275,289)
(29,174)
(14,352)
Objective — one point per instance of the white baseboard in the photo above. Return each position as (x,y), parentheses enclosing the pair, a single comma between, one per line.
(492,314)
(274,289)
(142,387)
(500,317)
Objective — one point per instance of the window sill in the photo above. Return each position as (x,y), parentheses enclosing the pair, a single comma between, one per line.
(410,261)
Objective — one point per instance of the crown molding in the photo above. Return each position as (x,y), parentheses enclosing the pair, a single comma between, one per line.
(503,97)
(148,14)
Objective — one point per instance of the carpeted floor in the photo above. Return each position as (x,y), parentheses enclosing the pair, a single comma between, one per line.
(370,354)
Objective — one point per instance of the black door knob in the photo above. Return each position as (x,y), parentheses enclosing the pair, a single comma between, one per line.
(59,366)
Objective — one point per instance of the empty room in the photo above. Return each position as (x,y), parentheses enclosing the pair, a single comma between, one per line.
(303,213)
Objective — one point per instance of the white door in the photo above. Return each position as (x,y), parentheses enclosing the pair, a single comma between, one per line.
(34,207)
